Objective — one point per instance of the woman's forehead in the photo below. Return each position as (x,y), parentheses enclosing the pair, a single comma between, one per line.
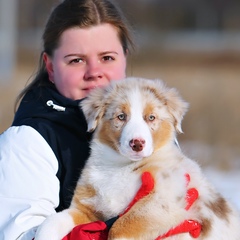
(99,36)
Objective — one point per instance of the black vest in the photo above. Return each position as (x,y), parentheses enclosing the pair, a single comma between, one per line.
(62,124)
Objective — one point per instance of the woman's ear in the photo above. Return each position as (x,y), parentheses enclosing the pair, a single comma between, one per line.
(49,66)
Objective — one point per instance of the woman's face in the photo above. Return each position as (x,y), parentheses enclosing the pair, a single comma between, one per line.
(86,59)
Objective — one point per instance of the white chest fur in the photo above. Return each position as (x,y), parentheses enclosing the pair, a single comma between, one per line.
(114,189)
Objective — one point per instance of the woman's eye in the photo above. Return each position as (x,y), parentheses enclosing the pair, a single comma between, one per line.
(122,117)
(108,58)
(151,118)
(76,60)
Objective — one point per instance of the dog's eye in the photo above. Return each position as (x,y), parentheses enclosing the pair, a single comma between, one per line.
(122,116)
(151,118)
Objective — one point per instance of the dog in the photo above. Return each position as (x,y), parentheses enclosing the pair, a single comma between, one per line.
(135,123)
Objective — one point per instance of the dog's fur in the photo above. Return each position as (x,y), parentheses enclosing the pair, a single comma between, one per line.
(135,122)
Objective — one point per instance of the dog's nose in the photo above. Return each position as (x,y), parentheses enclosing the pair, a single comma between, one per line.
(137,145)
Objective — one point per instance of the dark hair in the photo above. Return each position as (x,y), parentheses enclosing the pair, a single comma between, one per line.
(83,14)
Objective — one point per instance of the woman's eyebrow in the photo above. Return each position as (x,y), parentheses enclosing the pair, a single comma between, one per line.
(83,55)
(74,55)
(108,52)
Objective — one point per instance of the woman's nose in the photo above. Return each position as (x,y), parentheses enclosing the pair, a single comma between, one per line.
(93,71)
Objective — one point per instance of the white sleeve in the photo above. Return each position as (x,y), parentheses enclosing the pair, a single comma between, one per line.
(29,188)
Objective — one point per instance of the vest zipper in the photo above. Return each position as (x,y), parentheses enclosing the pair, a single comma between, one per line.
(55,106)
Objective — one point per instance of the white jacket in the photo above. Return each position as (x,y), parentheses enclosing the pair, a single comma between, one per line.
(29,188)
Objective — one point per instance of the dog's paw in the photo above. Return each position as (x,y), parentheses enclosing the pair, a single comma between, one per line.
(49,231)
(55,227)
(45,232)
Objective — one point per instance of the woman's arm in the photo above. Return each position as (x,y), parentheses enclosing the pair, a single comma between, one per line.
(29,188)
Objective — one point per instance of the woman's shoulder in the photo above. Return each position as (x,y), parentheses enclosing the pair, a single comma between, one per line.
(18,133)
(22,137)
(25,141)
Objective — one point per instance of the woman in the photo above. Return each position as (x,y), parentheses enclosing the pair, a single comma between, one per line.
(85,45)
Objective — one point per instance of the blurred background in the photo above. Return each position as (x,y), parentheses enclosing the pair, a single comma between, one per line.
(193,45)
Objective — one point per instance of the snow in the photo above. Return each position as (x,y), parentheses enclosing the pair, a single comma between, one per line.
(227,183)
(221,165)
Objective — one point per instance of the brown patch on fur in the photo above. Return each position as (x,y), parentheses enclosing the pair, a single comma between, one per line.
(162,136)
(220,208)
(83,192)
(165,175)
(139,167)
(83,213)
(110,130)
(149,109)
(206,227)
(165,207)
(179,198)
(128,227)
(131,225)
(107,136)
(145,166)
(157,94)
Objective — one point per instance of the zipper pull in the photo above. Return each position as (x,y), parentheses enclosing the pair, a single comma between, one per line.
(55,106)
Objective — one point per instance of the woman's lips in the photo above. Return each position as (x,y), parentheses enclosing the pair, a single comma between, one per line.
(89,89)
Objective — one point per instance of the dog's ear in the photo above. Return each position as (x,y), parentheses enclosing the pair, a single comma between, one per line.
(177,107)
(93,107)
